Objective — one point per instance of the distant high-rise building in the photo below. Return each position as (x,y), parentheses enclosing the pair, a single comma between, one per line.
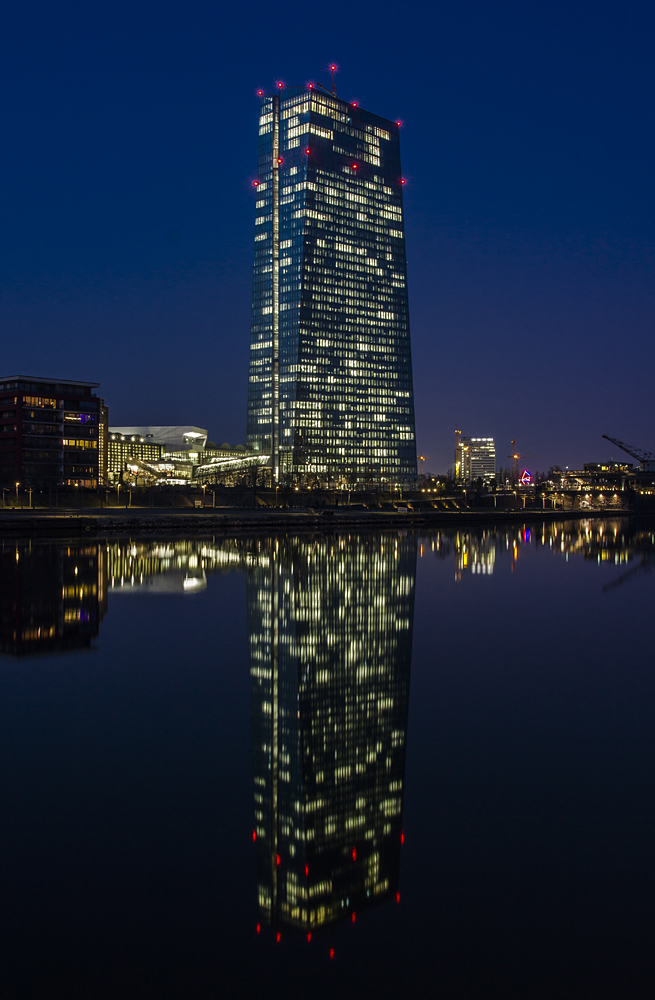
(475,458)
(330,385)
(330,634)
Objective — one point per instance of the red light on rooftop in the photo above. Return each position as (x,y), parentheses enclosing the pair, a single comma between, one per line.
(402,180)
(280,84)
(256,183)
(354,104)
(310,86)
(331,953)
(398,124)
(260,93)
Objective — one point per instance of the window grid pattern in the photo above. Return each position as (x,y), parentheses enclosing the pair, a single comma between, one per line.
(346,400)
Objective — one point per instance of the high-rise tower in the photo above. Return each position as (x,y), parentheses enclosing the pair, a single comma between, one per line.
(330,385)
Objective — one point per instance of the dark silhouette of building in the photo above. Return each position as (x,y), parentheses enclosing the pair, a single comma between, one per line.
(330,386)
(330,632)
(53,432)
(52,596)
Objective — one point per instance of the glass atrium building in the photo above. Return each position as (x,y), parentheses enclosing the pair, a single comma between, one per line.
(330,381)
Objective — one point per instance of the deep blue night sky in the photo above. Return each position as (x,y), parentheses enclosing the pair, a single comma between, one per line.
(129,144)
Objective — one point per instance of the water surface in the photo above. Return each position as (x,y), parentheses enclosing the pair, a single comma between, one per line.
(378,765)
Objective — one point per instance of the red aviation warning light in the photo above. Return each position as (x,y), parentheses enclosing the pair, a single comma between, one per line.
(402,180)
(399,123)
(353,104)
(256,184)
(279,85)
(260,93)
(307,151)
(355,166)
(279,159)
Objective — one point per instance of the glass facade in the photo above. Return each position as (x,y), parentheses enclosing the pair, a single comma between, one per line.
(330,633)
(330,379)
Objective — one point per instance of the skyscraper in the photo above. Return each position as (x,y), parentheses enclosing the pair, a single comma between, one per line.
(474,458)
(330,383)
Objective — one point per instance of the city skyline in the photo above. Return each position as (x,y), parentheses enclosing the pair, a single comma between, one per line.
(528,207)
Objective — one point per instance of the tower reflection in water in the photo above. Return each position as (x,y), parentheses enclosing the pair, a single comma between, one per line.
(330,632)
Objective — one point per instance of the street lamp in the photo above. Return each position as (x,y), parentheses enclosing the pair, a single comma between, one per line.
(17,485)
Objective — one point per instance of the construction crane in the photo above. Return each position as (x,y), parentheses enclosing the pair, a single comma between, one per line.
(516,458)
(422,459)
(646,459)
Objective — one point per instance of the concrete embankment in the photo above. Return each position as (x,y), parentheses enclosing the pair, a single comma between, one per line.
(15,524)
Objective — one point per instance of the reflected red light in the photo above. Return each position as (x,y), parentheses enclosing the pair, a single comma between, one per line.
(309,937)
(397,897)
(277,937)
(277,859)
(254,836)
(306,869)
(331,953)
(258,928)
(353,918)
(402,836)
(354,854)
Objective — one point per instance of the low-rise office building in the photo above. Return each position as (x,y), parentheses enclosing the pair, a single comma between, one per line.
(124,450)
(52,433)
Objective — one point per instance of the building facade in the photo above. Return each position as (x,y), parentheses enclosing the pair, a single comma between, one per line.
(50,433)
(475,458)
(330,390)
(122,449)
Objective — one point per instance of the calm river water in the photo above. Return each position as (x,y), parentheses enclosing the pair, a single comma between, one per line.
(377,765)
